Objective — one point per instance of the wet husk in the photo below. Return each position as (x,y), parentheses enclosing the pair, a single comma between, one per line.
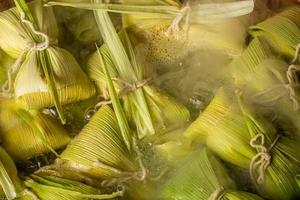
(99,151)
(170,29)
(264,79)
(11,186)
(148,109)
(209,31)
(55,188)
(282,31)
(201,176)
(43,74)
(33,133)
(233,133)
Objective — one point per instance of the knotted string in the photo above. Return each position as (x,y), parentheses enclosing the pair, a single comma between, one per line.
(36,46)
(291,85)
(7,87)
(184,13)
(219,192)
(140,175)
(129,87)
(262,159)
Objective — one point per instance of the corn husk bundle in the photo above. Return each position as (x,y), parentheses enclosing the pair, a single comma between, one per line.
(241,138)
(282,32)
(202,176)
(11,186)
(99,149)
(265,81)
(55,188)
(105,148)
(33,133)
(43,75)
(150,110)
(213,25)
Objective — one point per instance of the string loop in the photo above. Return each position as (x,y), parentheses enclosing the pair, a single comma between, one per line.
(184,13)
(129,87)
(36,46)
(262,159)
(7,87)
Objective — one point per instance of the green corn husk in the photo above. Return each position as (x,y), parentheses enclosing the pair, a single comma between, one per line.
(32,132)
(263,77)
(149,110)
(228,131)
(44,78)
(199,177)
(97,146)
(55,188)
(106,143)
(11,186)
(282,31)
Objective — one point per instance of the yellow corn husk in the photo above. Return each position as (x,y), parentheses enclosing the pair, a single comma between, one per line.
(228,132)
(98,149)
(32,132)
(263,78)
(165,112)
(11,186)
(282,31)
(55,188)
(50,77)
(198,177)
(71,82)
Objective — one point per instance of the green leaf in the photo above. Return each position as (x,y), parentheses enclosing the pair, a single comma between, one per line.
(122,121)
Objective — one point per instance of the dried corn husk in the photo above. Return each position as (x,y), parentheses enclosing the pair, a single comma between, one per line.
(263,78)
(43,75)
(202,176)
(282,31)
(32,132)
(228,132)
(55,188)
(149,109)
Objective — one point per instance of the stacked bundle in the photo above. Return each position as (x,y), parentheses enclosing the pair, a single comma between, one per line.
(134,143)
(251,142)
